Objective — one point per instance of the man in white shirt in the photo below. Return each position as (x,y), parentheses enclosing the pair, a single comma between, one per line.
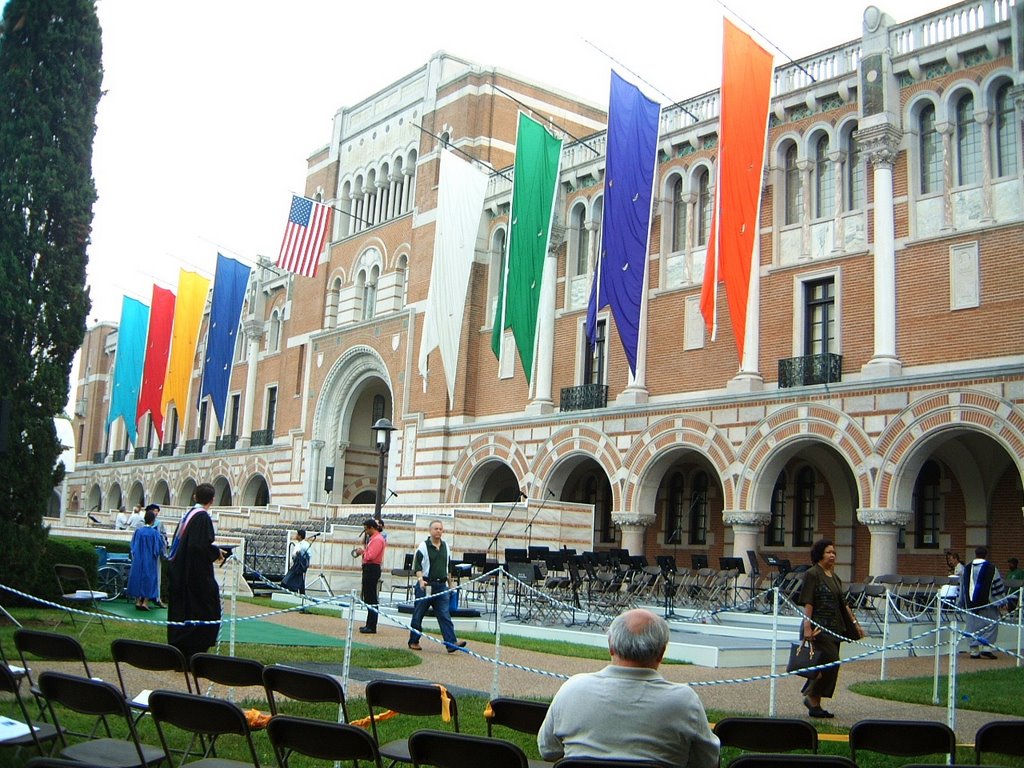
(627,710)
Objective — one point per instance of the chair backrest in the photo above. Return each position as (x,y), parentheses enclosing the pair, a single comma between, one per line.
(457,750)
(229,671)
(11,684)
(903,738)
(152,657)
(417,699)
(199,715)
(785,761)
(51,646)
(517,714)
(321,740)
(302,685)
(1004,737)
(766,734)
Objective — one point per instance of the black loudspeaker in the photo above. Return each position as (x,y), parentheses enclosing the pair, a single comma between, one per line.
(329,479)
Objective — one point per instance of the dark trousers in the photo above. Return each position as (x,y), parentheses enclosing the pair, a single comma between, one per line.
(824,685)
(371,577)
(440,600)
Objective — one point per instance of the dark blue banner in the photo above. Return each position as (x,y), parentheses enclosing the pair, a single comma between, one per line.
(225,311)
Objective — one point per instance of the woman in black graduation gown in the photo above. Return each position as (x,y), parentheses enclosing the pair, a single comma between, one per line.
(193,593)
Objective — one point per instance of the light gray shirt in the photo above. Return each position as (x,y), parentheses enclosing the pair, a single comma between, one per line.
(628,713)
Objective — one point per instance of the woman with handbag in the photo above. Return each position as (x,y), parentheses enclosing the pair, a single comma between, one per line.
(828,621)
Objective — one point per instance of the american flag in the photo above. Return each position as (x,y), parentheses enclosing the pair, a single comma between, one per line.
(308,222)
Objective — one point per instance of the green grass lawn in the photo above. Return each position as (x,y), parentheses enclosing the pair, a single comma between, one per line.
(991,690)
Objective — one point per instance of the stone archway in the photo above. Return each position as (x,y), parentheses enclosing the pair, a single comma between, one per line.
(256,492)
(356,392)
(492,482)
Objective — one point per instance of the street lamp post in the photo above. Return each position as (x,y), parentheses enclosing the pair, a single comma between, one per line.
(382,430)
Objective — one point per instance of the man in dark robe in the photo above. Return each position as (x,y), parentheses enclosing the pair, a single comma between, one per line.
(194,594)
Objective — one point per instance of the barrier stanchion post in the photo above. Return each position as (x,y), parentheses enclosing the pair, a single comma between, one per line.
(775,643)
(347,663)
(1020,616)
(498,610)
(885,633)
(937,649)
(233,593)
(954,639)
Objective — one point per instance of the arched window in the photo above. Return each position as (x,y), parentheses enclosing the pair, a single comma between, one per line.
(699,509)
(703,207)
(274,335)
(824,181)
(803,518)
(775,533)
(968,143)
(854,175)
(370,293)
(241,344)
(675,504)
(378,409)
(930,151)
(581,255)
(678,222)
(926,506)
(1006,133)
(793,189)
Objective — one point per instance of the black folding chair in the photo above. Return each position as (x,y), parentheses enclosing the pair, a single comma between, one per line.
(903,738)
(414,699)
(302,685)
(786,761)
(1004,737)
(519,715)
(228,671)
(47,646)
(598,762)
(203,717)
(766,734)
(320,740)
(152,657)
(35,734)
(457,750)
(102,701)
(77,592)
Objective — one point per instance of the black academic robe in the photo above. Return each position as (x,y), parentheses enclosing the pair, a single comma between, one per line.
(193,592)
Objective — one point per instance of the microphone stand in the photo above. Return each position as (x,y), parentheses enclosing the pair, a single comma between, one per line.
(529,525)
(494,542)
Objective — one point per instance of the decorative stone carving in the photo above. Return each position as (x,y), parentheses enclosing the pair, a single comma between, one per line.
(880,143)
(745,517)
(254,329)
(632,518)
(893,517)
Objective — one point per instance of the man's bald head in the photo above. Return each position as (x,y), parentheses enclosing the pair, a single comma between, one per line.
(638,638)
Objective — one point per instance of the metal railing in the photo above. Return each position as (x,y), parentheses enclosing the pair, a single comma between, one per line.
(99,457)
(119,454)
(195,445)
(226,442)
(262,437)
(142,452)
(584,397)
(167,449)
(810,369)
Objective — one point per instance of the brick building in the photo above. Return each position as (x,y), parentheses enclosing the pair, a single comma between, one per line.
(880,401)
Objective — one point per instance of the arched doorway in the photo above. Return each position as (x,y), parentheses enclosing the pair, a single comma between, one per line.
(187,493)
(256,493)
(114,499)
(136,495)
(585,482)
(95,500)
(492,482)
(222,492)
(161,494)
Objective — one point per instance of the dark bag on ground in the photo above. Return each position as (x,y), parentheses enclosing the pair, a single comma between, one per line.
(803,655)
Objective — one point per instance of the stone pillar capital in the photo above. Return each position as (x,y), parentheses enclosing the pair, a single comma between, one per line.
(879,143)
(254,329)
(883,518)
(632,519)
(736,517)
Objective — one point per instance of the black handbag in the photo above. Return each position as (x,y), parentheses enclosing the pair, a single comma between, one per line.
(803,655)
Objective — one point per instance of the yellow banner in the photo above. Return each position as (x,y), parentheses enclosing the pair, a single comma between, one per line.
(188,317)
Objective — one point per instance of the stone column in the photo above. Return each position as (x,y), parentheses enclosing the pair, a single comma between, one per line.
(881,145)
(945,130)
(804,166)
(381,212)
(747,530)
(314,471)
(254,335)
(884,525)
(345,216)
(632,526)
(392,194)
(410,182)
(984,120)
(542,401)
(838,160)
